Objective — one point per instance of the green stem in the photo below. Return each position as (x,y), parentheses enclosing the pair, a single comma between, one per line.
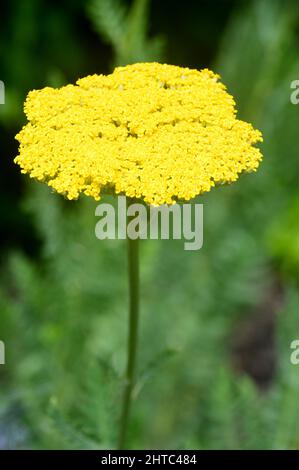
(133,270)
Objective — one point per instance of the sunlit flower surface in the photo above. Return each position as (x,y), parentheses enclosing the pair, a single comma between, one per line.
(152,131)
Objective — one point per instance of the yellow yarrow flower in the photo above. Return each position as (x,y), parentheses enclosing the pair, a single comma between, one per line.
(152,131)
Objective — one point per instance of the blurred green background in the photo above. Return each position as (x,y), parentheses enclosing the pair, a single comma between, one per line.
(216,326)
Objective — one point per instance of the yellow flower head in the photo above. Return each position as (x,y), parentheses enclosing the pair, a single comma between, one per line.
(152,131)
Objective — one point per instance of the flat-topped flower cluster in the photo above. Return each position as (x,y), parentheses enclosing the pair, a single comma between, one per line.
(156,132)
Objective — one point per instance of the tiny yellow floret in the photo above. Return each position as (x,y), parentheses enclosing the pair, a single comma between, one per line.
(152,131)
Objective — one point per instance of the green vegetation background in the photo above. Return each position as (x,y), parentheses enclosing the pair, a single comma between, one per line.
(216,328)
